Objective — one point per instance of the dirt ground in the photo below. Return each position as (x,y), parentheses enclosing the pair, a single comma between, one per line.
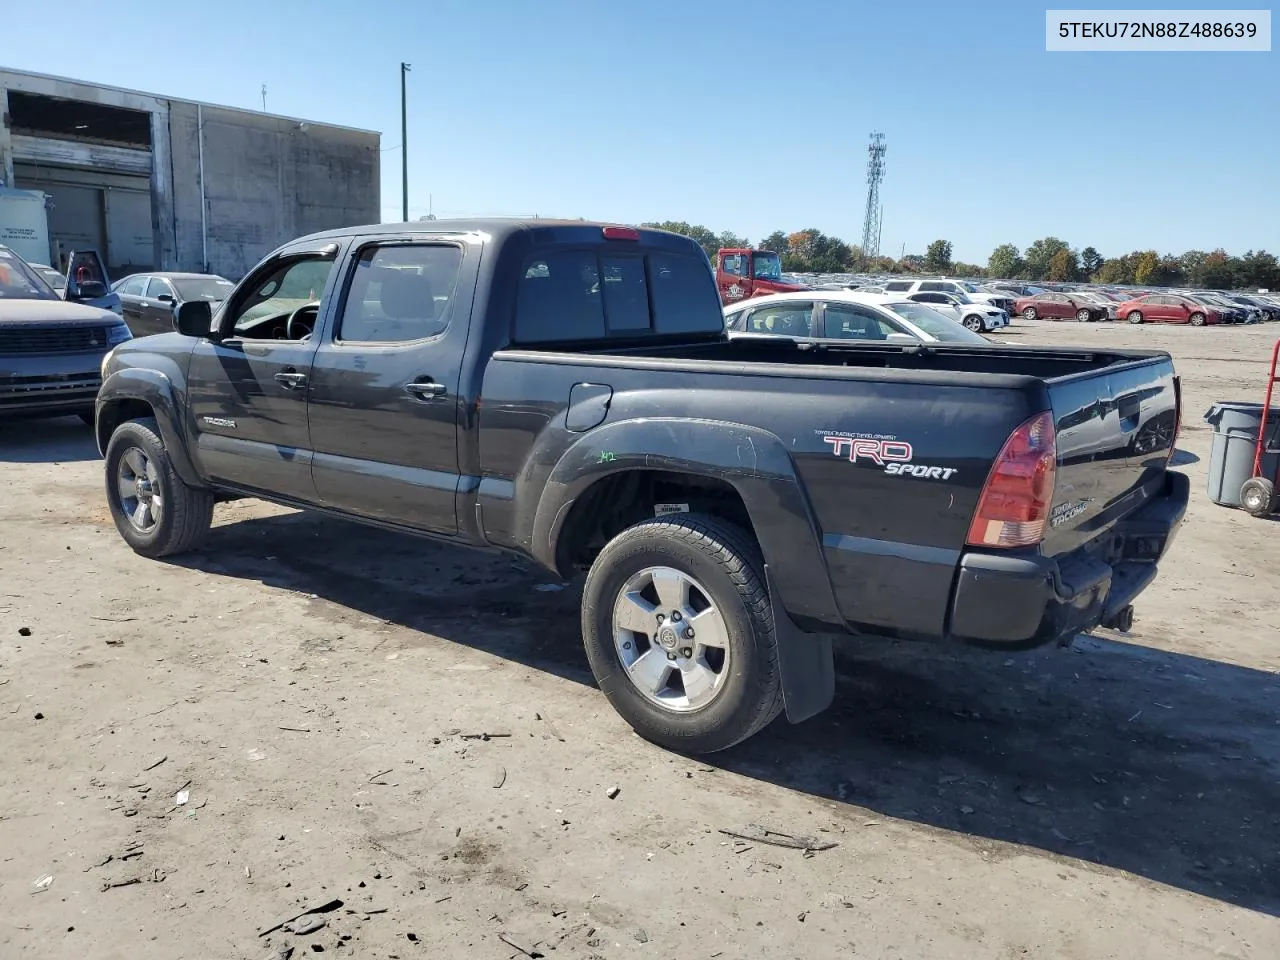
(311,690)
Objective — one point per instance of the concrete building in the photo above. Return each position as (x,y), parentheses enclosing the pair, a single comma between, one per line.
(153,182)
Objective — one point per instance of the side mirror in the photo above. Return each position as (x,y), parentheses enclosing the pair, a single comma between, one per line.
(87,290)
(164,298)
(194,318)
(901,338)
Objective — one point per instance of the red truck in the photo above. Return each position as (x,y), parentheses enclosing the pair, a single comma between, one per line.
(743,273)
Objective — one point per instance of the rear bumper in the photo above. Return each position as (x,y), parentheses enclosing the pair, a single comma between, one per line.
(1026,601)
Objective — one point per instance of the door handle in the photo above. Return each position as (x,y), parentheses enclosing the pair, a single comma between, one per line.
(425,390)
(291,379)
(144,303)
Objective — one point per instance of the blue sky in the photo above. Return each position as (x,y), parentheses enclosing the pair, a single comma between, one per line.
(750,116)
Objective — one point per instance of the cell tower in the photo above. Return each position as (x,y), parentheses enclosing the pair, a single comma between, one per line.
(875,173)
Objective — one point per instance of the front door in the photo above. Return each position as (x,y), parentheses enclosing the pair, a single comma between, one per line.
(157,306)
(734,277)
(248,390)
(385,403)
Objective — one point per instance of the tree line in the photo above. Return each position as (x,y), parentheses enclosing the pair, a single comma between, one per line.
(1050,259)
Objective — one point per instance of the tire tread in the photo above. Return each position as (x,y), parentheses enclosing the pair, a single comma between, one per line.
(190,510)
(739,558)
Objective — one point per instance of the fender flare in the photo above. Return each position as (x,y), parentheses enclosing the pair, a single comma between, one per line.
(155,389)
(759,467)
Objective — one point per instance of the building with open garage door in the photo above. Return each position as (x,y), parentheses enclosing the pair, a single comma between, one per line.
(155,183)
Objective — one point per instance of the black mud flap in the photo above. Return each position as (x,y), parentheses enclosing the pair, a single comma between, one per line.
(805,661)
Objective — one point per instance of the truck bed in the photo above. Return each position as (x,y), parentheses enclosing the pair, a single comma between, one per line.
(893,541)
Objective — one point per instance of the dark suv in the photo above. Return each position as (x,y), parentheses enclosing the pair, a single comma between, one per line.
(51,350)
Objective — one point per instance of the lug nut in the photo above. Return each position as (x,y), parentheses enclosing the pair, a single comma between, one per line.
(687,652)
(671,656)
(661,618)
(675,615)
(688,633)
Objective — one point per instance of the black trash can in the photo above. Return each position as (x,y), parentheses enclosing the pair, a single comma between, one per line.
(1235,433)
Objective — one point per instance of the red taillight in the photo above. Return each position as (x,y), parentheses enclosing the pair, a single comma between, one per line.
(621,233)
(1013,510)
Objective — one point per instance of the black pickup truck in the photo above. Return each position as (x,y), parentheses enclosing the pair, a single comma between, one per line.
(566,390)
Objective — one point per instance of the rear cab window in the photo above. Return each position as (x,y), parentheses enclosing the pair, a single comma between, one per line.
(597,293)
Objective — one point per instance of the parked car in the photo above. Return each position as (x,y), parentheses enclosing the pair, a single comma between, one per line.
(733,501)
(1169,308)
(1014,289)
(845,315)
(1060,306)
(998,299)
(1228,311)
(1255,310)
(51,351)
(149,300)
(978,317)
(1101,299)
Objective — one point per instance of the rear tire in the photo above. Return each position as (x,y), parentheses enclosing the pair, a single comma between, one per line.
(154,511)
(1257,497)
(724,568)
(1029,313)
(1135,317)
(1197,319)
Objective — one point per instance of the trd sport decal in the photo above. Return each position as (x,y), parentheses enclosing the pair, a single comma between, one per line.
(890,453)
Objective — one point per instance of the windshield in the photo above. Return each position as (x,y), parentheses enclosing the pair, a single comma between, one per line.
(51,276)
(768,266)
(19,282)
(971,287)
(203,288)
(961,298)
(935,324)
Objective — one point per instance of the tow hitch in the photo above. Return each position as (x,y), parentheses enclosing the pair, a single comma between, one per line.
(1122,621)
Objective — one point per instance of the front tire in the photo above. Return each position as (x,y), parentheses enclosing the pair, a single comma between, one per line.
(705,676)
(1083,316)
(1197,319)
(154,511)
(1135,316)
(974,323)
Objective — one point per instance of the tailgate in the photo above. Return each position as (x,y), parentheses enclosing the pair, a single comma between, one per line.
(1115,432)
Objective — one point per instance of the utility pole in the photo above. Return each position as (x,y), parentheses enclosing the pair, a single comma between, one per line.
(875,174)
(264,98)
(404,144)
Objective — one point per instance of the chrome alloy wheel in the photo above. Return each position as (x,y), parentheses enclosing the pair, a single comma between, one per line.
(138,487)
(671,639)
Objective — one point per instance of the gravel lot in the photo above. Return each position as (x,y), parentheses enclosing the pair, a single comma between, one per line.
(311,690)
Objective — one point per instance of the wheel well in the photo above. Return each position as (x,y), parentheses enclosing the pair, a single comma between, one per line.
(117,412)
(621,500)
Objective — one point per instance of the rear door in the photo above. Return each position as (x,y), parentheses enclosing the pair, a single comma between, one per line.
(130,293)
(384,403)
(785,318)
(1160,309)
